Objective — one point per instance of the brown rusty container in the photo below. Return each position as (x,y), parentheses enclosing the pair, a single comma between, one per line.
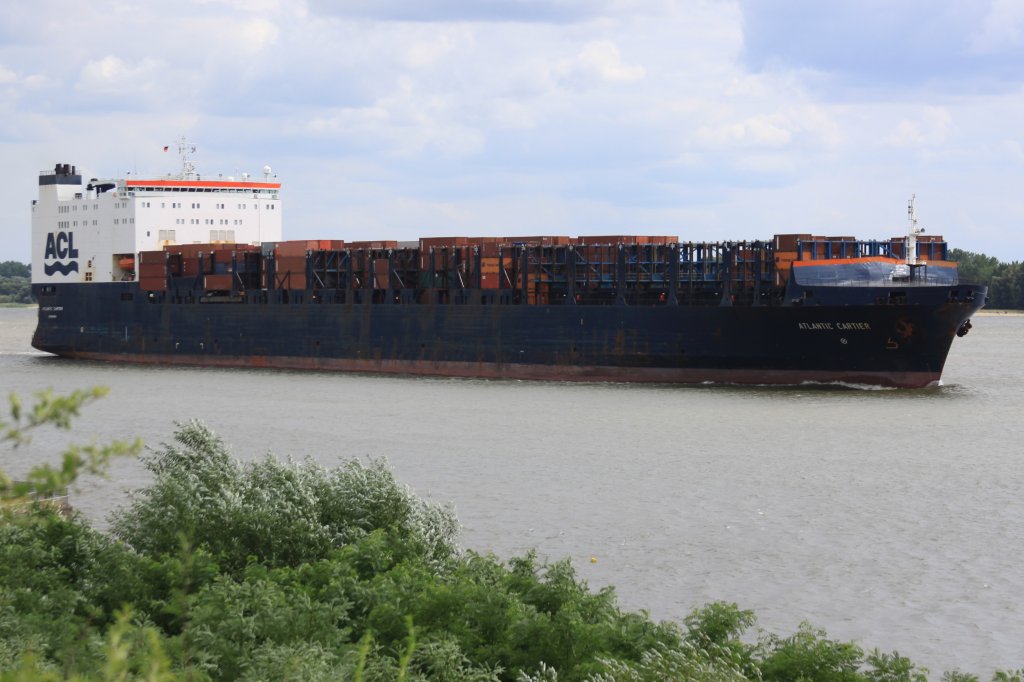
(217,282)
(290,264)
(558,240)
(191,250)
(174,264)
(151,270)
(788,242)
(813,249)
(380,274)
(441,242)
(784,259)
(153,283)
(152,258)
(221,259)
(438,244)
(374,245)
(489,266)
(289,279)
(491,249)
(296,248)
(591,240)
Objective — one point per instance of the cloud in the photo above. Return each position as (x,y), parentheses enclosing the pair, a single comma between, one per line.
(1002,29)
(893,43)
(113,75)
(598,59)
(798,128)
(758,131)
(249,6)
(257,35)
(427,52)
(403,124)
(1014,149)
(528,11)
(689,114)
(929,129)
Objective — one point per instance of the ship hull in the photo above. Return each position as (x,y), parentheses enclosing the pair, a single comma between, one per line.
(851,338)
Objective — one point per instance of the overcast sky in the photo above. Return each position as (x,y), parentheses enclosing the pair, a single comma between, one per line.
(709,120)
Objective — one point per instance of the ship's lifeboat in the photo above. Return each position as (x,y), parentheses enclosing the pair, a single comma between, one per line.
(127,263)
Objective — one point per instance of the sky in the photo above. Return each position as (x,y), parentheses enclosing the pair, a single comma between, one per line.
(399,119)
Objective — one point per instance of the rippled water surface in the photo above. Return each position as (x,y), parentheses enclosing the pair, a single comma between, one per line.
(892,517)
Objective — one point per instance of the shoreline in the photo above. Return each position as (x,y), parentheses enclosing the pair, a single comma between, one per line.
(999,313)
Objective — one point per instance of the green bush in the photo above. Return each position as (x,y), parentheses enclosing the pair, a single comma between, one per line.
(274,570)
(278,513)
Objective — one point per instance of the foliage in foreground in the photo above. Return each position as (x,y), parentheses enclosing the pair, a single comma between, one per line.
(57,411)
(280,570)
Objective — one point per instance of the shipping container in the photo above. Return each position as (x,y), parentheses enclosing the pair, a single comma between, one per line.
(152,270)
(218,282)
(153,283)
(373,245)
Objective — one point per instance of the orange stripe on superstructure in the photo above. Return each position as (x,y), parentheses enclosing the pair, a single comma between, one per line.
(870,259)
(203,183)
(846,261)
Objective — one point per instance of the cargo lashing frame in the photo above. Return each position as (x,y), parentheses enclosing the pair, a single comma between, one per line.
(511,273)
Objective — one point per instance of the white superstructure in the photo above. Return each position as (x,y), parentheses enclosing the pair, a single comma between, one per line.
(92,232)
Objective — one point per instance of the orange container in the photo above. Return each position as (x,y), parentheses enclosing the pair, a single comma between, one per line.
(606,239)
(291,280)
(217,282)
(788,242)
(374,245)
(290,264)
(153,283)
(151,270)
(544,240)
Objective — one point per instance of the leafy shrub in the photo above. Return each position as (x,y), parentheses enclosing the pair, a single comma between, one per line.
(277,513)
(265,571)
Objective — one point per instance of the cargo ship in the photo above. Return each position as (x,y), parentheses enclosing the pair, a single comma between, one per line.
(190,270)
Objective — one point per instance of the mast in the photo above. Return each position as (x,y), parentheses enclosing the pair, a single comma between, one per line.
(185,150)
(911,255)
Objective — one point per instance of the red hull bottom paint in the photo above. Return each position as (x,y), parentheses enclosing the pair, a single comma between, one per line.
(535,372)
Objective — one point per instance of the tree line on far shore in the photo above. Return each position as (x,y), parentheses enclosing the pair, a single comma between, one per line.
(15,282)
(1004,280)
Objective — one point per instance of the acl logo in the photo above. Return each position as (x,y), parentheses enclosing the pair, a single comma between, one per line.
(60,245)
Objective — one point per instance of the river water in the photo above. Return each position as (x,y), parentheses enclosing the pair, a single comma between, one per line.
(888,517)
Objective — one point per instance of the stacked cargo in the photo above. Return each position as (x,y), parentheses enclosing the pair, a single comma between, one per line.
(929,247)
(623,239)
(374,245)
(540,270)
(152,270)
(289,269)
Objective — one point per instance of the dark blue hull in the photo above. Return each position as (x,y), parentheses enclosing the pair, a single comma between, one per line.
(848,334)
